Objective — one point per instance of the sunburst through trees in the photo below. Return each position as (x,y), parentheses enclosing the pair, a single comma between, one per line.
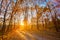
(31,15)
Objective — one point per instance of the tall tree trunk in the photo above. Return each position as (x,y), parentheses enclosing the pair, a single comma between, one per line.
(37,22)
(53,19)
(55,22)
(31,20)
(26,17)
(1,6)
(37,17)
(10,22)
(4,28)
(42,22)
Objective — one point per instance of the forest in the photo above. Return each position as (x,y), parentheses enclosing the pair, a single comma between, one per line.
(38,17)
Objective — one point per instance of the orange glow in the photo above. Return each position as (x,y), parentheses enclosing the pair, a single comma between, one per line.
(22,24)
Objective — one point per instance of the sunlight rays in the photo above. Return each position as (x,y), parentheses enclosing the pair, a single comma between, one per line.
(20,34)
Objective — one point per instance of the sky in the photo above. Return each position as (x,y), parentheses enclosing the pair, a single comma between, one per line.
(14,0)
(56,2)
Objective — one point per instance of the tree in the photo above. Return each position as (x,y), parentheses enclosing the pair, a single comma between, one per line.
(54,17)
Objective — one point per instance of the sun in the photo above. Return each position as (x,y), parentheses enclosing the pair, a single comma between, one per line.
(22,24)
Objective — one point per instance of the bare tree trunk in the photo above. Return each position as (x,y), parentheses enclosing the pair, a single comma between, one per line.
(1,6)
(26,17)
(14,23)
(37,17)
(42,22)
(11,17)
(45,23)
(31,19)
(10,22)
(37,23)
(4,21)
(54,21)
